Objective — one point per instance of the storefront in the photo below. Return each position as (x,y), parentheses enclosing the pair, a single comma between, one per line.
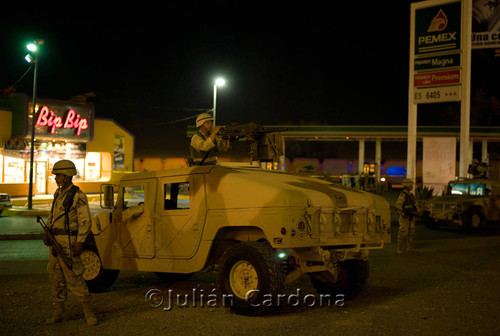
(101,149)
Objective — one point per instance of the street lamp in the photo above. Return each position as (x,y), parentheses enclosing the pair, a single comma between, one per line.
(218,82)
(32,58)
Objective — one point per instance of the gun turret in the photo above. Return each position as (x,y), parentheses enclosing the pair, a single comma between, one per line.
(266,143)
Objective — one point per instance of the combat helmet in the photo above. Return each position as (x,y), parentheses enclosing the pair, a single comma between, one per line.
(407,183)
(64,167)
(200,120)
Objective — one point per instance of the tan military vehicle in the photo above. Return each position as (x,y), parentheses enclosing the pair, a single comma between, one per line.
(465,202)
(258,228)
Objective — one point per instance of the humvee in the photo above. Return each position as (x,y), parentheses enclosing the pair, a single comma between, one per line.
(468,203)
(259,229)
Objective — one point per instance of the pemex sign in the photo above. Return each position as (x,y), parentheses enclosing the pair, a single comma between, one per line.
(437,53)
(440,53)
(437,28)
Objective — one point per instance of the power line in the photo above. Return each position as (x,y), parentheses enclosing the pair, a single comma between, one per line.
(170,122)
(13,87)
(156,107)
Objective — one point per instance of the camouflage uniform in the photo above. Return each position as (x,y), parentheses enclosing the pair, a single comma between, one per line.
(406,206)
(60,276)
(201,145)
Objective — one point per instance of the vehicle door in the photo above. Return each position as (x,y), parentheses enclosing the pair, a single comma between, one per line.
(136,231)
(182,208)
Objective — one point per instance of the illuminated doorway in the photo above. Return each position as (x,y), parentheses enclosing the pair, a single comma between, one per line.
(41,177)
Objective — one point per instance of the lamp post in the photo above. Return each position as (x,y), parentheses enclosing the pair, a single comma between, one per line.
(218,82)
(32,58)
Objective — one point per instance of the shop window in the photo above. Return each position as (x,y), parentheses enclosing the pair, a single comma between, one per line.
(79,164)
(93,166)
(1,168)
(87,169)
(105,166)
(13,170)
(133,196)
(176,196)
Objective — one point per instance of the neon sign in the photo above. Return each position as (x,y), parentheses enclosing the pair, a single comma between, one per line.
(72,120)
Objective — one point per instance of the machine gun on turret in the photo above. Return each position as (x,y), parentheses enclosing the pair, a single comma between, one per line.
(265,143)
(478,169)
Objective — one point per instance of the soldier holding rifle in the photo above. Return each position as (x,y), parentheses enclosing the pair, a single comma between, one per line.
(205,145)
(69,223)
(407,208)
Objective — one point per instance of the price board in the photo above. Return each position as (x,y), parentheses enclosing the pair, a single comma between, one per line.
(437,94)
(437,78)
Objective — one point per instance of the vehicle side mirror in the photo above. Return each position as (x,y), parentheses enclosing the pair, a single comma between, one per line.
(108,196)
(446,190)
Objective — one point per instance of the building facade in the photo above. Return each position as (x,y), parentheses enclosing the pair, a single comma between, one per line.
(101,149)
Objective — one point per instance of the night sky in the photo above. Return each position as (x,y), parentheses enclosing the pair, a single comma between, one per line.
(152,67)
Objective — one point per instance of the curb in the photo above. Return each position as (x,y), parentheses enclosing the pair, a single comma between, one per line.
(20,236)
(25,212)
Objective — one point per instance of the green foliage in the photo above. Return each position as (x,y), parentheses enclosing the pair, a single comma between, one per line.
(424,193)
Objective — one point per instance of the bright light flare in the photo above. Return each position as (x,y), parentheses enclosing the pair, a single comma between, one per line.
(220,82)
(31,47)
(282,255)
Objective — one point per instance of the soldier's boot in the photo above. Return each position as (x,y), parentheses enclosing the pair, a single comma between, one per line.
(89,315)
(400,247)
(58,314)
(411,247)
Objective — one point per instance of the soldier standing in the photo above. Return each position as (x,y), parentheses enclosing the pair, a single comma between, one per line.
(70,223)
(406,206)
(205,145)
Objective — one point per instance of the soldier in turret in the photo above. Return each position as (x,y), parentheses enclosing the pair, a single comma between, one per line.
(205,145)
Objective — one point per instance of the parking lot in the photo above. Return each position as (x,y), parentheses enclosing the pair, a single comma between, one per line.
(450,287)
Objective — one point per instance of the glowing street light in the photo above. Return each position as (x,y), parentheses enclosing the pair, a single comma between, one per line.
(33,59)
(218,82)
(32,46)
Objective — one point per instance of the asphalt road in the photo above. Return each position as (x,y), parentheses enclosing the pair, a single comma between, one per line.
(450,287)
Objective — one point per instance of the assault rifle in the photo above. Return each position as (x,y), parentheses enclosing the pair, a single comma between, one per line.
(250,131)
(412,213)
(266,144)
(51,241)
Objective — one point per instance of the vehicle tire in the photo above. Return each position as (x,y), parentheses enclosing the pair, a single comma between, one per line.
(98,279)
(430,222)
(249,277)
(352,278)
(472,220)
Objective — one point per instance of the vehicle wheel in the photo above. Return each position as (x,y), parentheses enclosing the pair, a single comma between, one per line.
(352,278)
(472,221)
(249,278)
(98,279)
(430,222)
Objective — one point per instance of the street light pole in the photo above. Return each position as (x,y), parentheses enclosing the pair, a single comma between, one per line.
(33,48)
(218,82)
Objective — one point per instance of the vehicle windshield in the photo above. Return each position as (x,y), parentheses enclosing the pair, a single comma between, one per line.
(475,189)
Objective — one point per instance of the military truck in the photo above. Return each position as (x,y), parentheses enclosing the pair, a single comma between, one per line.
(258,228)
(468,203)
